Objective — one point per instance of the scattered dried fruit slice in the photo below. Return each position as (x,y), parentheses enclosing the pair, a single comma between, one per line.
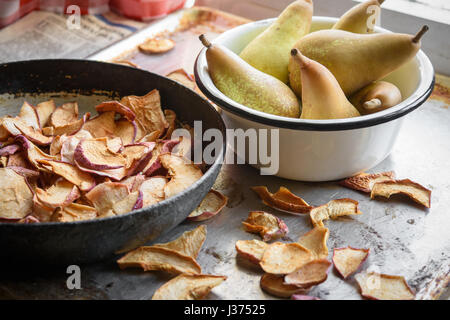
(71,173)
(106,195)
(189,243)
(126,130)
(284,258)
(156,45)
(267,225)
(181,76)
(137,156)
(16,198)
(65,114)
(94,154)
(44,110)
(148,111)
(117,107)
(413,190)
(274,285)
(211,205)
(60,194)
(316,241)
(282,200)
(126,63)
(251,250)
(365,181)
(348,260)
(153,190)
(383,286)
(157,258)
(103,125)
(310,274)
(74,212)
(303,297)
(333,210)
(183,174)
(188,287)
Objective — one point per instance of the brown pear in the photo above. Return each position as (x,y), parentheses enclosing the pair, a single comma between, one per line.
(377,96)
(322,97)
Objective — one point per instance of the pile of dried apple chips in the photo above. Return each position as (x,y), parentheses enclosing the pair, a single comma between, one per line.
(58,165)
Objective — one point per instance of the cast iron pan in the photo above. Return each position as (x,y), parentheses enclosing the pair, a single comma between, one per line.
(88,82)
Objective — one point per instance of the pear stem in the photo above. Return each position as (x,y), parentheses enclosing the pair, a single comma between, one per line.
(372,104)
(298,56)
(420,34)
(205,41)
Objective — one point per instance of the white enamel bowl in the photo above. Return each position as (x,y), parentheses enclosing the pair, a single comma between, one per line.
(323,150)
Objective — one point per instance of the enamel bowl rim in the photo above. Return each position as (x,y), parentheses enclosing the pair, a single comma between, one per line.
(417,98)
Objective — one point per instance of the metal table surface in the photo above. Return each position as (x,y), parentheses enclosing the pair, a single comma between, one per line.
(404,238)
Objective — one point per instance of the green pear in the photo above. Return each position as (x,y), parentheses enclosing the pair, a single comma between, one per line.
(248,86)
(361,18)
(322,97)
(356,60)
(269,51)
(375,97)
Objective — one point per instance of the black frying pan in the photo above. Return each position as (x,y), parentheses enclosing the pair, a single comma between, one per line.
(89,83)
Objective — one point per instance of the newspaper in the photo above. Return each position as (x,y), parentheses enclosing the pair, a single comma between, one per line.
(42,35)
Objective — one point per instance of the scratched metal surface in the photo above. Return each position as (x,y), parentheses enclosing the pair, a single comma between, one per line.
(404,238)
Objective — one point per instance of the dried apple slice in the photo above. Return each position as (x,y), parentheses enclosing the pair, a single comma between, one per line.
(71,128)
(151,137)
(17,126)
(157,258)
(251,250)
(69,144)
(126,130)
(274,285)
(60,194)
(29,116)
(103,125)
(182,173)
(284,258)
(34,154)
(211,205)
(303,297)
(189,243)
(24,172)
(126,63)
(310,274)
(131,202)
(153,190)
(137,156)
(148,111)
(65,114)
(117,107)
(413,190)
(171,118)
(16,198)
(10,149)
(105,196)
(266,225)
(365,181)
(71,173)
(181,76)
(19,160)
(42,212)
(282,200)
(348,260)
(316,241)
(333,210)
(114,174)
(134,183)
(74,212)
(29,219)
(94,154)
(383,286)
(156,45)
(44,110)
(188,287)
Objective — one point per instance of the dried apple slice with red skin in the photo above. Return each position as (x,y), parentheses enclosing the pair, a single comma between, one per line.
(183,174)
(29,219)
(19,159)
(25,172)
(94,154)
(333,210)
(34,154)
(72,127)
(106,195)
(377,286)
(171,120)
(188,287)
(181,76)
(44,110)
(413,190)
(134,183)
(60,194)
(103,125)
(310,274)
(64,114)
(189,243)
(268,226)
(151,137)
(74,212)
(365,181)
(274,285)
(153,190)
(114,174)
(168,145)
(284,258)
(315,240)
(71,173)
(117,107)
(137,156)
(29,116)
(10,149)
(348,260)
(69,144)
(126,130)
(210,206)
(131,202)
(16,198)
(303,297)
(283,200)
(251,250)
(17,126)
